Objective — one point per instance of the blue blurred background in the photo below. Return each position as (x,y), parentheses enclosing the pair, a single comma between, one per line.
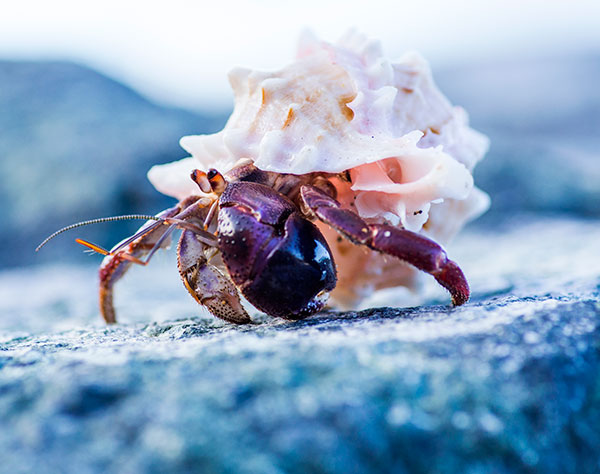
(92,96)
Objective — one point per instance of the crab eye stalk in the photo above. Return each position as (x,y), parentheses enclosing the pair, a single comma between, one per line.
(201,179)
(217,182)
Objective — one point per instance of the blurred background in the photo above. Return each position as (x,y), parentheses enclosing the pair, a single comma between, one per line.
(92,95)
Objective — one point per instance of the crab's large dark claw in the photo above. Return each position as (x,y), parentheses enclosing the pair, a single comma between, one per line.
(279,260)
(408,246)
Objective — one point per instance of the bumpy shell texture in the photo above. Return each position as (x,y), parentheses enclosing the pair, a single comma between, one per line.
(341,107)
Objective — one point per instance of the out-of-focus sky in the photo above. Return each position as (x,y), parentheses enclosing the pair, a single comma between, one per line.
(179,52)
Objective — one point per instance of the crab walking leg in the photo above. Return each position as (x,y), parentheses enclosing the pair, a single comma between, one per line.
(413,248)
(206,283)
(152,236)
(116,264)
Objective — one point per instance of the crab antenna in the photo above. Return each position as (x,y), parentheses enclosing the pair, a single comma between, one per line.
(98,221)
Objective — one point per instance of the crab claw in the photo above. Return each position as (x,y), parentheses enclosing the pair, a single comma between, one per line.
(206,283)
(424,254)
(280,261)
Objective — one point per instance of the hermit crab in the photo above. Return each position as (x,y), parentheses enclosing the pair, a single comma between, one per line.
(339,173)
(252,232)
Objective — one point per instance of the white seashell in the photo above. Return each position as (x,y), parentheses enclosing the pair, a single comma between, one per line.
(344,106)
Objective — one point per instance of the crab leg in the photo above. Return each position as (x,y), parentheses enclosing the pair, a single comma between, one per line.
(116,263)
(413,248)
(147,240)
(206,283)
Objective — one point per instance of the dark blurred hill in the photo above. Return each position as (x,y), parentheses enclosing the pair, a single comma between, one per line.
(75,144)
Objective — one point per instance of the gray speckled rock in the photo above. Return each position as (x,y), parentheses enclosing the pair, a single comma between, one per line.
(509,382)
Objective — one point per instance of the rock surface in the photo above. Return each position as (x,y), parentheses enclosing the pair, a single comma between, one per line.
(510,382)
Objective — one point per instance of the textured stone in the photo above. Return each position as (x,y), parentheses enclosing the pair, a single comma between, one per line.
(509,382)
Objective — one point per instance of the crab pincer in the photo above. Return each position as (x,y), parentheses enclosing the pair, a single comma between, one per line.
(206,283)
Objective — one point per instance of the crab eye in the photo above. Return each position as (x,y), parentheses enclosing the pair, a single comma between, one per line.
(200,178)
(217,182)
(212,173)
